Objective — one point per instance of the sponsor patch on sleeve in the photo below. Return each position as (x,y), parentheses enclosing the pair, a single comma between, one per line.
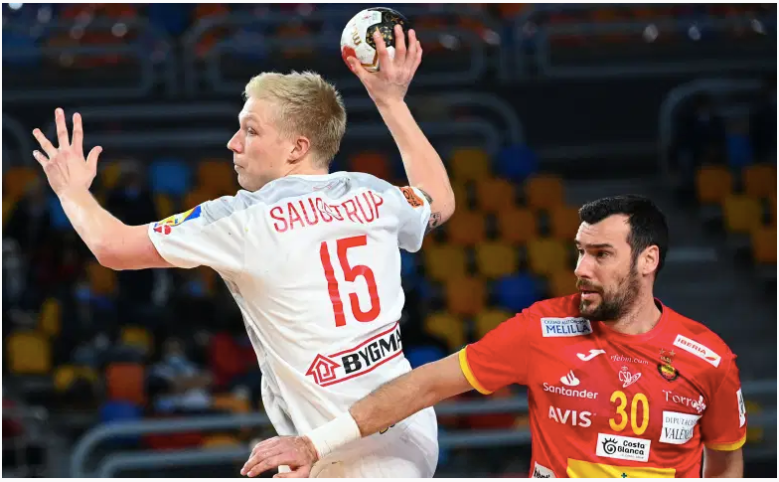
(742,409)
(541,472)
(411,197)
(556,327)
(166,225)
(701,351)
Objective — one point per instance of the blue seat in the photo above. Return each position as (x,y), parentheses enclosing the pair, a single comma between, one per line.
(517,162)
(408,264)
(421,355)
(170,176)
(58,218)
(116,411)
(740,152)
(517,292)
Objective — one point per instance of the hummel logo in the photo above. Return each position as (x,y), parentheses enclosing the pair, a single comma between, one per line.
(593,354)
(570,379)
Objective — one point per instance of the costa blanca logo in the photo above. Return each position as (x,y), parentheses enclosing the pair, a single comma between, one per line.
(364,358)
(556,327)
(701,351)
(623,448)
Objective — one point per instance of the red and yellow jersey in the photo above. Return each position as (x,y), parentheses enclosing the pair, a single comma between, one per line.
(605,404)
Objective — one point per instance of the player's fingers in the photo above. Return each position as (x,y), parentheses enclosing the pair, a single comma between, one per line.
(258,455)
(78,134)
(42,160)
(357,68)
(300,473)
(400,46)
(94,154)
(385,62)
(62,128)
(412,48)
(45,144)
(268,464)
(418,59)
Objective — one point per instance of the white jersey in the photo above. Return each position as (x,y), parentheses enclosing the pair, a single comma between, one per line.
(314,265)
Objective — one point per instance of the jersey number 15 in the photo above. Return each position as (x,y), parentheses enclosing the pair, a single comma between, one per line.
(351,273)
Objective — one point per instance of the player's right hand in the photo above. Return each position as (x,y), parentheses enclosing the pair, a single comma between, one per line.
(391,82)
(296,452)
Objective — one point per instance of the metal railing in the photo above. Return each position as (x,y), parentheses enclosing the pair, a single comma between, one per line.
(33,421)
(471,438)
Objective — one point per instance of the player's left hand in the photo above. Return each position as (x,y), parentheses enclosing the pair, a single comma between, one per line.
(65,166)
(391,82)
(296,452)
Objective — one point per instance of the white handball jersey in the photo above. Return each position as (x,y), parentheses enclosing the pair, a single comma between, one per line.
(314,265)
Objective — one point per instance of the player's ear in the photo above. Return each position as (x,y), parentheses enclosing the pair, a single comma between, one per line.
(650,260)
(299,149)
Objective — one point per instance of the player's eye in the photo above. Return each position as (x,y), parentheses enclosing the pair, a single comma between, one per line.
(602,254)
(251,131)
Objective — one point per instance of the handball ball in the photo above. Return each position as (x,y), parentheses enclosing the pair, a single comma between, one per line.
(357,37)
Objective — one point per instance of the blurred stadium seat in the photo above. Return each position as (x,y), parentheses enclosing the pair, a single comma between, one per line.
(126,382)
(742,214)
(469,164)
(518,225)
(466,228)
(29,353)
(547,256)
(465,296)
(448,328)
(713,184)
(544,192)
(495,259)
(488,320)
(444,261)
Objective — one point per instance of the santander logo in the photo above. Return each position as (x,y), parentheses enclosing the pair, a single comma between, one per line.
(701,351)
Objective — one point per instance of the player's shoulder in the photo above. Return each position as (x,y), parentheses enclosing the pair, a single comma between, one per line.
(557,318)
(369,181)
(227,206)
(697,342)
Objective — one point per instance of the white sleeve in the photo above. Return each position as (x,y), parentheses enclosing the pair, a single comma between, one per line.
(413,216)
(211,234)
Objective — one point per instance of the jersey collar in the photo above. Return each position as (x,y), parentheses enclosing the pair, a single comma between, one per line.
(605,331)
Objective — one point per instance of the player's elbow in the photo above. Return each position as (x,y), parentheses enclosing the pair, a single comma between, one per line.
(110,257)
(445,207)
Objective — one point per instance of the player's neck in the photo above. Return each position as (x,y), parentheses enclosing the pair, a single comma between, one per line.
(307,170)
(640,319)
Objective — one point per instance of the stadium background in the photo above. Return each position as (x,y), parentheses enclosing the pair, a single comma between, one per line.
(535,108)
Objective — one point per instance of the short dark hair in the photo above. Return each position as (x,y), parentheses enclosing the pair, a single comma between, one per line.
(647,222)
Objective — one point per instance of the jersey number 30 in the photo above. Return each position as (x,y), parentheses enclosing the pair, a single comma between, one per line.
(351,273)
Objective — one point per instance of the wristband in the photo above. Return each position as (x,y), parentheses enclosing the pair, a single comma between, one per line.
(334,434)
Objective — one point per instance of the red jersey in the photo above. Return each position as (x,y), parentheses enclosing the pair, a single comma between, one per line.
(606,404)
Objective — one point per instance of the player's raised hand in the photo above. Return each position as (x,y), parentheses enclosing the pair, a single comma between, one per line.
(296,452)
(65,166)
(391,82)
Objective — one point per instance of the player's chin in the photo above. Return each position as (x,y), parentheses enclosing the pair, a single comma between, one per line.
(588,307)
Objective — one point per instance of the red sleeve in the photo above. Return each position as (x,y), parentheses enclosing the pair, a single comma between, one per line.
(500,358)
(724,423)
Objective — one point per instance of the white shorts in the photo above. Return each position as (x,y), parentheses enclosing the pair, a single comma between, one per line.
(408,449)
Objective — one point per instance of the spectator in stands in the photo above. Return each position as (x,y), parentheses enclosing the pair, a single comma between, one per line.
(181,386)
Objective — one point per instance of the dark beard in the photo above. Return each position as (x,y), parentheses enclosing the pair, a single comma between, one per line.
(615,305)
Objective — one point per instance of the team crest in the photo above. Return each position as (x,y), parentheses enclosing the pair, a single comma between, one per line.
(665,367)
(166,225)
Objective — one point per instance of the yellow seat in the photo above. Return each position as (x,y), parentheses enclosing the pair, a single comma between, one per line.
(564,222)
(102,281)
(518,225)
(9,205)
(494,195)
(488,320)
(760,181)
(547,255)
(444,261)
(466,228)
(29,353)
(562,283)
(460,195)
(164,206)
(764,244)
(470,164)
(742,214)
(496,259)
(16,181)
(465,296)
(136,336)
(110,173)
(544,192)
(230,403)
(49,317)
(66,375)
(220,440)
(713,184)
(447,327)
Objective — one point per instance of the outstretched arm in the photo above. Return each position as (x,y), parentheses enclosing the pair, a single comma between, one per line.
(389,404)
(114,244)
(387,87)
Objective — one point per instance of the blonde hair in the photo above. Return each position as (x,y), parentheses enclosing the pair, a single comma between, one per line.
(307,105)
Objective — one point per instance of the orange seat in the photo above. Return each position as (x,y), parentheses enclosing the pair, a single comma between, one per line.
(29,353)
(447,327)
(518,225)
(470,164)
(488,320)
(9,206)
(460,195)
(66,375)
(220,441)
(713,184)
(564,222)
(562,283)
(544,192)
(764,245)
(230,403)
(496,259)
(16,181)
(294,30)
(218,176)
(125,382)
(772,207)
(466,228)
(444,261)
(49,317)
(742,214)
(374,163)
(494,195)
(102,281)
(760,181)
(137,336)
(547,255)
(465,296)
(197,197)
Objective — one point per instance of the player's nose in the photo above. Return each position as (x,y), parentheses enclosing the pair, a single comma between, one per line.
(234,144)
(583,268)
